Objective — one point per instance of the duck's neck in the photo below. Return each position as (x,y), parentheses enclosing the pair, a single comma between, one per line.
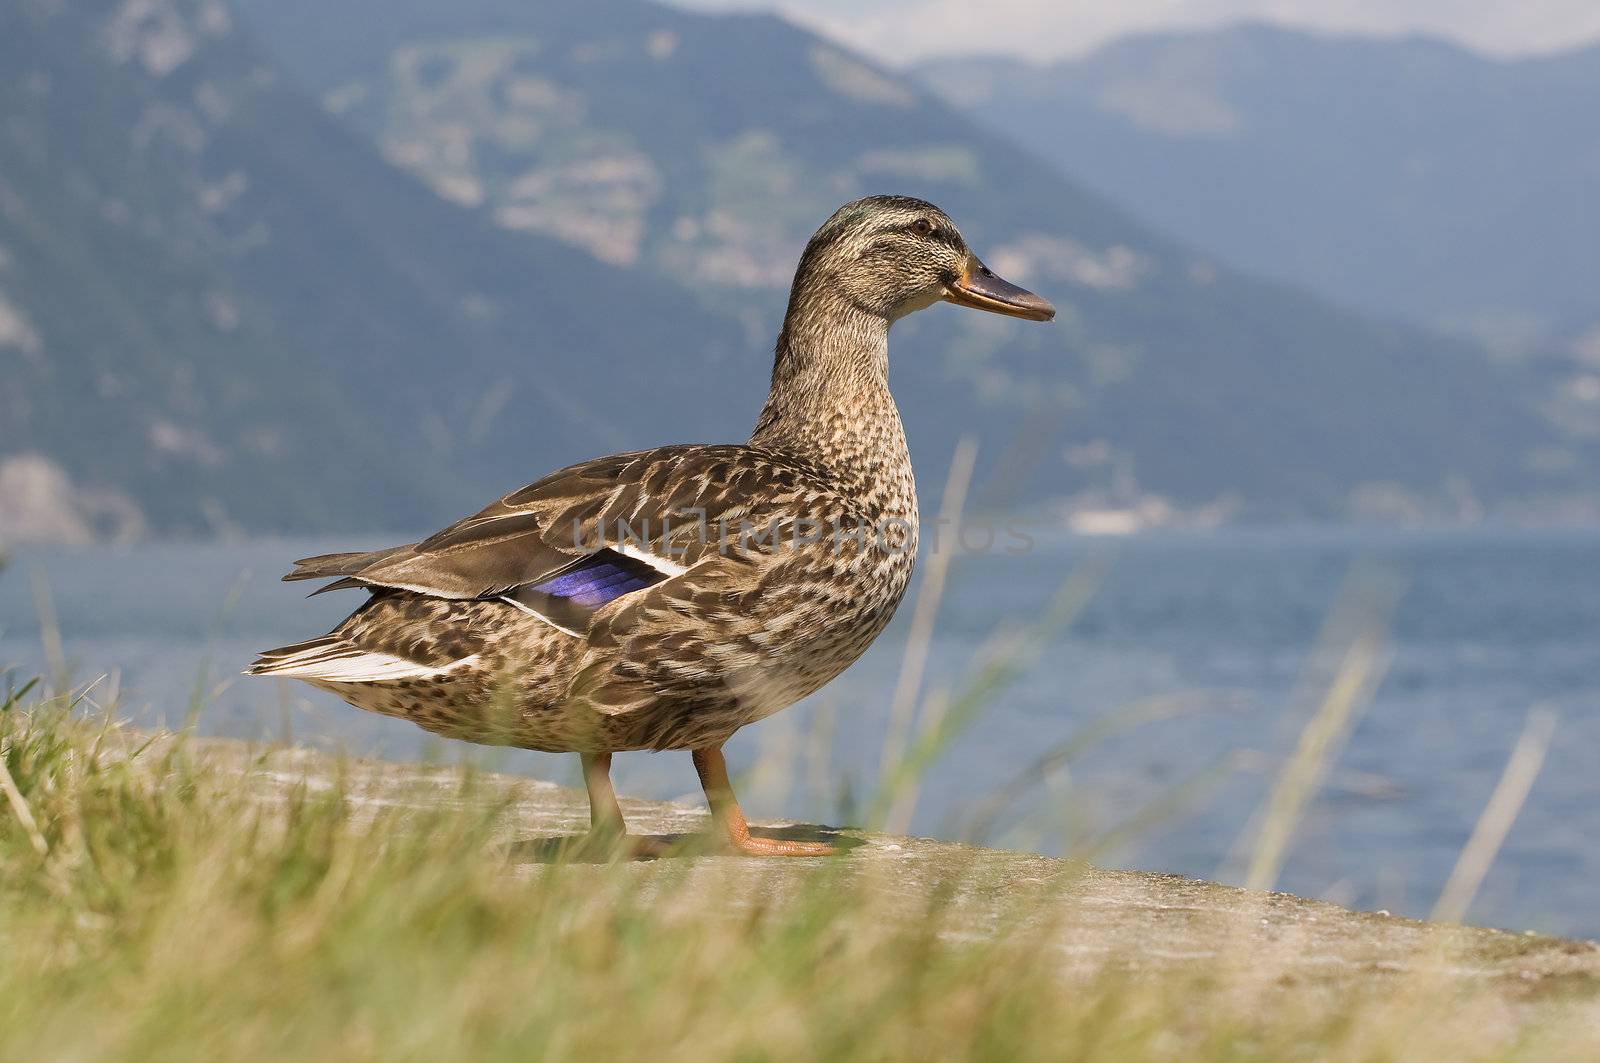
(830,403)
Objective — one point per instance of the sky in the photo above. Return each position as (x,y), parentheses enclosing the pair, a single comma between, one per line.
(902,31)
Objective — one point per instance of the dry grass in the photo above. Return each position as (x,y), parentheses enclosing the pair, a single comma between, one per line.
(152,907)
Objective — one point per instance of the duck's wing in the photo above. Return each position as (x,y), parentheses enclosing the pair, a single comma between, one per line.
(568,544)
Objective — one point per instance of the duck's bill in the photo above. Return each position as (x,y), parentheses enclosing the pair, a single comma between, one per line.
(979,288)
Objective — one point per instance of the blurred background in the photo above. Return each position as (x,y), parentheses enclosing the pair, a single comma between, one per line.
(279,277)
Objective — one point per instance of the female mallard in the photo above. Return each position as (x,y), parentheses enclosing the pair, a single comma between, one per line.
(663,599)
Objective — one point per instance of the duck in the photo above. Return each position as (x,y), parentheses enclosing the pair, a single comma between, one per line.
(663,599)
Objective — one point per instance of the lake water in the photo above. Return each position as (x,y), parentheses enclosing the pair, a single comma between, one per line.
(1200,651)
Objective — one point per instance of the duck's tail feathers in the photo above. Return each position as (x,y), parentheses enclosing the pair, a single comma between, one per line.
(328,566)
(330,659)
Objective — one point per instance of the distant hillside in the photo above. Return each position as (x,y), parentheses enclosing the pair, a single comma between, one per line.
(1407,177)
(221,311)
(704,148)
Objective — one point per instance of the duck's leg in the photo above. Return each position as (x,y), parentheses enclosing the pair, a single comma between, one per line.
(605,815)
(728,819)
(608,831)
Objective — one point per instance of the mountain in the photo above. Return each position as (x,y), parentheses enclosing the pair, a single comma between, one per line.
(1402,176)
(350,263)
(221,311)
(704,148)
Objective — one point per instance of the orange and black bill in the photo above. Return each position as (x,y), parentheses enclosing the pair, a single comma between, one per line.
(980,288)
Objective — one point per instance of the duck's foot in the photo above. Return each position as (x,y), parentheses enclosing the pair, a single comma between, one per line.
(755,845)
(731,833)
(608,838)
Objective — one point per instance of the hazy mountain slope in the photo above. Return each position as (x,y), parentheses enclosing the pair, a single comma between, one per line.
(220,309)
(135,360)
(1404,176)
(704,148)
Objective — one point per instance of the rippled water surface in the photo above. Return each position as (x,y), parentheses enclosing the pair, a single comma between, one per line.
(1199,651)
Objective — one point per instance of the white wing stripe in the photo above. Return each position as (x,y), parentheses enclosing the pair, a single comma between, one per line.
(366,668)
(662,565)
(531,611)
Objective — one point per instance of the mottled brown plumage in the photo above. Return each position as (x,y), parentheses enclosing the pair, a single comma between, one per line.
(664,599)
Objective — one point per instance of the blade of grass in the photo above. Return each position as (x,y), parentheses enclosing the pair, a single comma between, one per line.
(1363,668)
(898,819)
(1004,667)
(1184,794)
(55,656)
(919,640)
(19,808)
(1083,738)
(819,752)
(1364,604)
(1527,757)
(14,698)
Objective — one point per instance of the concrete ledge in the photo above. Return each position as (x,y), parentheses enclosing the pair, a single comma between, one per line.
(1131,921)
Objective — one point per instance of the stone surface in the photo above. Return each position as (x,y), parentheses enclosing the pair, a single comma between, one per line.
(1127,920)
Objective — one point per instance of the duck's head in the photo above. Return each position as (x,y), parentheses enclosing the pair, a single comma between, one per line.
(891,255)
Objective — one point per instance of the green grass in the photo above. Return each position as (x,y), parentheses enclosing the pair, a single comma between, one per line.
(156,904)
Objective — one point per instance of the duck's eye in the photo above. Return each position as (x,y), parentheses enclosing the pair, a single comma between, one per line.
(922,227)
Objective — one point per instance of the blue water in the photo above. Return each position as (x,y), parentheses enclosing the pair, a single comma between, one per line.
(1209,638)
